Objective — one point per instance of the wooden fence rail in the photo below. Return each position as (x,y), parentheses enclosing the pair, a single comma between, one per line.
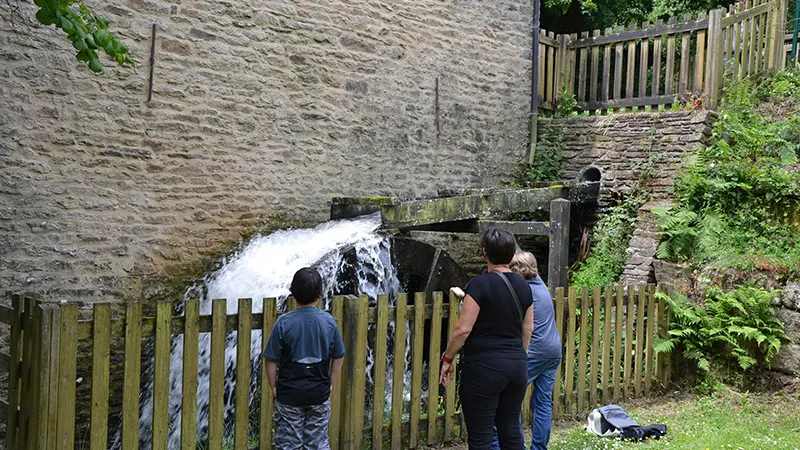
(656,63)
(388,395)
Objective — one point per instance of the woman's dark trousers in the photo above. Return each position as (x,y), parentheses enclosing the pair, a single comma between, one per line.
(492,391)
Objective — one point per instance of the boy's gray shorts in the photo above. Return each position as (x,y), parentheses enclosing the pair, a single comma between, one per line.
(302,427)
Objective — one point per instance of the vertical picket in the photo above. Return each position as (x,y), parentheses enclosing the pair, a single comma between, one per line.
(618,71)
(131,376)
(595,360)
(379,387)
(241,422)
(630,78)
(551,72)
(669,78)
(582,63)
(416,368)
(398,371)
(629,332)
(571,69)
(216,379)
(683,81)
(51,437)
(68,358)
(615,369)
(745,46)
(569,366)
(700,60)
(450,391)
(606,69)
(593,80)
(651,329)
(433,366)
(582,349)
(335,424)
(191,344)
(559,307)
(608,310)
(639,366)
(355,338)
(751,61)
(14,376)
(644,63)
(161,374)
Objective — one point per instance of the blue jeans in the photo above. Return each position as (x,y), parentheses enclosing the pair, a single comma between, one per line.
(542,373)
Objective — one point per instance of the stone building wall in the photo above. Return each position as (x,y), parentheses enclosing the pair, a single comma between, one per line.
(634,147)
(260,110)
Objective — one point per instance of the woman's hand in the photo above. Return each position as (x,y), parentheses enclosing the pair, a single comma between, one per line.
(446,374)
(457,291)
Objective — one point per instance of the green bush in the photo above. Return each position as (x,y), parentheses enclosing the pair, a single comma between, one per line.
(739,198)
(735,329)
(610,239)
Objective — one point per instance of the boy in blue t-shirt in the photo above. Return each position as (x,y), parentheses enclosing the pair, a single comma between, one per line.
(303,359)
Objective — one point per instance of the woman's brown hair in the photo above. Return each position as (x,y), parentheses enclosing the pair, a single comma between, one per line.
(524,264)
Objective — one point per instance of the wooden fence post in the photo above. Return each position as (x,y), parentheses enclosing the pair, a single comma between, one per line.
(67,355)
(13,380)
(559,243)
(355,338)
(715,60)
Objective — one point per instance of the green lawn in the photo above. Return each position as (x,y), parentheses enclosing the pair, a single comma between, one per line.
(727,420)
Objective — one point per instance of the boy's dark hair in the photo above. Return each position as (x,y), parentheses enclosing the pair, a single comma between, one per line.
(306,286)
(499,245)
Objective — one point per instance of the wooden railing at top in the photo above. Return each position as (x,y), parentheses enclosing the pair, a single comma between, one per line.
(45,339)
(656,63)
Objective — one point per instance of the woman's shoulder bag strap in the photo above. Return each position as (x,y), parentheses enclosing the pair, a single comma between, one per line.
(513,294)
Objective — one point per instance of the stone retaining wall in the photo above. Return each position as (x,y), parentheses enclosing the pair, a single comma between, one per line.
(260,110)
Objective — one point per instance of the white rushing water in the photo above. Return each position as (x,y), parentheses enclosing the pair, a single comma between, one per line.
(264,268)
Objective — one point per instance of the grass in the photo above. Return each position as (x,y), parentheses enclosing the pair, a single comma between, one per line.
(726,420)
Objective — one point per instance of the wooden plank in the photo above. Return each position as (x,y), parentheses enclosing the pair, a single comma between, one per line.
(594,358)
(751,62)
(606,69)
(749,13)
(216,379)
(101,358)
(683,80)
(290,304)
(450,391)
(644,63)
(608,311)
(630,78)
(618,71)
(582,347)
(655,88)
(433,366)
(737,45)
(571,54)
(669,78)
(355,334)
(67,366)
(242,399)
(38,431)
(526,404)
(595,69)
(131,376)
(770,49)
(36,377)
(398,370)
(161,380)
(716,57)
(640,338)
(548,39)
(651,333)
(560,64)
(379,377)
(699,61)
(14,375)
(191,349)
(622,36)
(582,66)
(745,47)
(335,423)
(569,366)
(615,369)
(25,372)
(417,349)
(550,93)
(760,32)
(559,307)
(668,365)
(51,414)
(630,312)
(520,228)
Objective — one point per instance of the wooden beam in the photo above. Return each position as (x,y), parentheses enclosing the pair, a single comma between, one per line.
(450,209)
(558,262)
(518,228)
(661,30)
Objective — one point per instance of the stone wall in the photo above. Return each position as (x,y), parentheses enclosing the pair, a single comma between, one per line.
(631,148)
(260,109)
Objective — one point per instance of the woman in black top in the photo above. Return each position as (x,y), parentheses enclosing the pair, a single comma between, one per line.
(494,330)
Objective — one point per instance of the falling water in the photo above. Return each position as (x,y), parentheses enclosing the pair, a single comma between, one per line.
(264,268)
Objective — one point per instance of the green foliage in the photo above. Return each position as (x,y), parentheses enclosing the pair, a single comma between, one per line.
(736,327)
(567,105)
(547,162)
(611,236)
(739,198)
(87,31)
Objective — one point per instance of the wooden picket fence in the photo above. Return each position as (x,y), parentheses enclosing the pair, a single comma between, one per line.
(608,357)
(650,64)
